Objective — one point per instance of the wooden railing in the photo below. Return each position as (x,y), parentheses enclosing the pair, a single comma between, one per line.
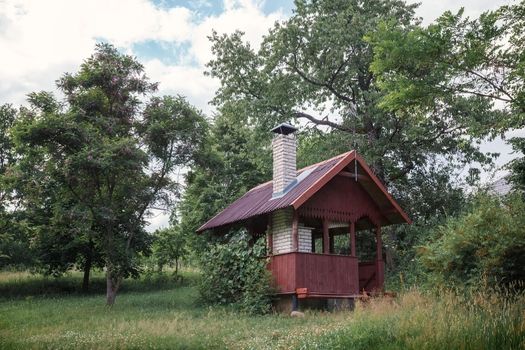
(319,275)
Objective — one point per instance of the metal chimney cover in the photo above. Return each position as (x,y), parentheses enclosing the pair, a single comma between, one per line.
(284,129)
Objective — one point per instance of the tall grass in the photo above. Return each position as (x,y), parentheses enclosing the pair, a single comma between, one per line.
(416,320)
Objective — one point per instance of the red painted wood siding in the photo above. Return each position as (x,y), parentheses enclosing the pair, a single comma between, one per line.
(368,275)
(319,273)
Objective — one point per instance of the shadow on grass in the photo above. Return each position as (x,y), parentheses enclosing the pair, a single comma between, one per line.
(43,286)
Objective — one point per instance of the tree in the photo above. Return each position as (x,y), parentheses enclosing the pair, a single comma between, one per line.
(15,234)
(517,166)
(459,64)
(236,274)
(169,248)
(232,160)
(7,117)
(110,152)
(316,67)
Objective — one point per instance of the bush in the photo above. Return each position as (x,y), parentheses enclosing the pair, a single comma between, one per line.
(236,274)
(487,243)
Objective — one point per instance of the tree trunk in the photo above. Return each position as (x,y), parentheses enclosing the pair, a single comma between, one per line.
(87,270)
(112,285)
(87,267)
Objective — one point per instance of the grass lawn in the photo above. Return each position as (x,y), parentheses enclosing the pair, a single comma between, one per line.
(36,313)
(152,313)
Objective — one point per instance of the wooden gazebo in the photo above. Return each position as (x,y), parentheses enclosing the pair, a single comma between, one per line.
(303,212)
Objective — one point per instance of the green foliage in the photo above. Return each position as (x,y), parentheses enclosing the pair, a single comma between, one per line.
(169,248)
(471,67)
(235,273)
(14,232)
(517,166)
(316,67)
(232,160)
(485,245)
(101,159)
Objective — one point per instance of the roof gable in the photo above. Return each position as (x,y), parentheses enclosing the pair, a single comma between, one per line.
(259,200)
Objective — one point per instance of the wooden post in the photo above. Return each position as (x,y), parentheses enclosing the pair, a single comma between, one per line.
(295,231)
(352,238)
(379,248)
(326,237)
(380,267)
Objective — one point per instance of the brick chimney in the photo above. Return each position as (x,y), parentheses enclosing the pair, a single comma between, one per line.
(284,157)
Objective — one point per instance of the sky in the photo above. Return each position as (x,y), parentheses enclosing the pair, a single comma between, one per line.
(40,40)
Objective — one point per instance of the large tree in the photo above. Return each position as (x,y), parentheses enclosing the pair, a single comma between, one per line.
(232,160)
(316,67)
(14,233)
(457,63)
(110,147)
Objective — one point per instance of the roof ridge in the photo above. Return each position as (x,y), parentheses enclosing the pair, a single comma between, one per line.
(306,168)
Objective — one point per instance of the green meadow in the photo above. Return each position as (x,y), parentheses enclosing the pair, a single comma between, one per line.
(159,313)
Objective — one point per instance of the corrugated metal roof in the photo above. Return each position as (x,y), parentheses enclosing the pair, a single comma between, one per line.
(259,199)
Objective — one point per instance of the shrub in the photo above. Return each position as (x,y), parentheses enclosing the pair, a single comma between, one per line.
(236,274)
(487,243)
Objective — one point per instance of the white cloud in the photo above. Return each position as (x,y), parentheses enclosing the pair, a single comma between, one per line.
(429,10)
(188,81)
(40,40)
(244,15)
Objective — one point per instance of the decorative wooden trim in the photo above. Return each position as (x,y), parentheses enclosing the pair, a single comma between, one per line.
(340,216)
(351,175)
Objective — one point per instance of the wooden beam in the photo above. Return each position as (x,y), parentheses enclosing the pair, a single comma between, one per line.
(360,177)
(352,238)
(326,236)
(380,267)
(295,231)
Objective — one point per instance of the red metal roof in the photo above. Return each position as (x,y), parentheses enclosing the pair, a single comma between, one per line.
(258,200)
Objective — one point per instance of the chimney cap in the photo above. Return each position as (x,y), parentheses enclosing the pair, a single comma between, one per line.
(284,129)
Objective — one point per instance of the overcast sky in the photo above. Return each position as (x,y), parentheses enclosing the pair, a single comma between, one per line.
(40,40)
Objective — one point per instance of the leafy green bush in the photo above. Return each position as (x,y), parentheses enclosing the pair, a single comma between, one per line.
(486,243)
(236,274)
